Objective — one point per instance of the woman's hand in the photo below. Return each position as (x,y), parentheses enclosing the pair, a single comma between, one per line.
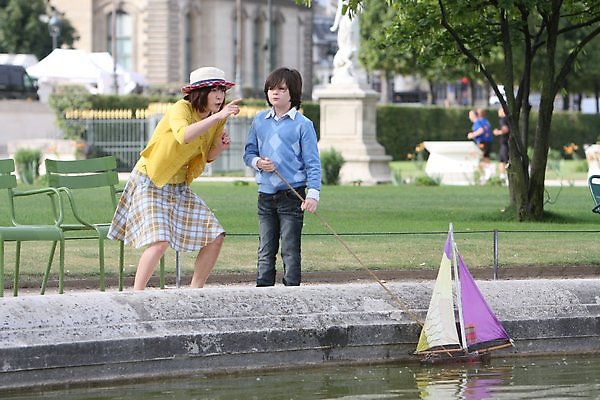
(199,128)
(224,141)
(221,145)
(230,108)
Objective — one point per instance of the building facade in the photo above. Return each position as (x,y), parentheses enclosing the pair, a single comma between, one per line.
(166,39)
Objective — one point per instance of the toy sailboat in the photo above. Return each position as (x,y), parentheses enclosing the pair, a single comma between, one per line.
(470,334)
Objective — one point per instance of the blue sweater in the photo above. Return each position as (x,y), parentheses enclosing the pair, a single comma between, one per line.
(291,144)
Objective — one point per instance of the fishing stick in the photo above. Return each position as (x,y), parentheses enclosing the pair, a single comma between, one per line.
(392,295)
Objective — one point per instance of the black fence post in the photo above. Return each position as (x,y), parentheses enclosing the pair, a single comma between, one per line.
(495,254)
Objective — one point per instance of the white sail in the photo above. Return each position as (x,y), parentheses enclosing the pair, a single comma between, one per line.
(439,328)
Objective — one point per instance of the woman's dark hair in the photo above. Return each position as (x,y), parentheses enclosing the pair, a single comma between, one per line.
(293,81)
(199,98)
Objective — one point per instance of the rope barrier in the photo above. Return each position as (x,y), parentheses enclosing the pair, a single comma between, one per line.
(373,275)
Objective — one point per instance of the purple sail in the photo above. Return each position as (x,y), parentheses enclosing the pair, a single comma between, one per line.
(480,323)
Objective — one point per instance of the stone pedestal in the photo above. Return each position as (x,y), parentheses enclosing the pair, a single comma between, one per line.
(348,124)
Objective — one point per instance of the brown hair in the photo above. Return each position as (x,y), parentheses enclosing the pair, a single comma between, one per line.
(293,81)
(199,98)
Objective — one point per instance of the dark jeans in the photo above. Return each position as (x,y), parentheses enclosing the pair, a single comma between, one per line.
(279,217)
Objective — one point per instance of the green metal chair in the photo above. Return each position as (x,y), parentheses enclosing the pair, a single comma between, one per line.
(72,176)
(594,185)
(18,232)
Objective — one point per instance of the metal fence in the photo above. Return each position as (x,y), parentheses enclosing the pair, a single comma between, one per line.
(125,138)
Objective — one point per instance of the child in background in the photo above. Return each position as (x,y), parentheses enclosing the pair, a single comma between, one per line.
(283,141)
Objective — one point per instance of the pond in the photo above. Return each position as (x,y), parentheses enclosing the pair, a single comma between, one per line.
(557,377)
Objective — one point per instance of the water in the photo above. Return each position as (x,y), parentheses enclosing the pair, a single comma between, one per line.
(568,377)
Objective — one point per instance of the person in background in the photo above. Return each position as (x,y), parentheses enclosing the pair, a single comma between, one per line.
(282,148)
(157,208)
(481,134)
(503,134)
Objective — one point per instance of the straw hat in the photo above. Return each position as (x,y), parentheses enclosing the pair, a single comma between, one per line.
(206,77)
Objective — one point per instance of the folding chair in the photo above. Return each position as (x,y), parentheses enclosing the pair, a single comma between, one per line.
(72,176)
(25,232)
(594,184)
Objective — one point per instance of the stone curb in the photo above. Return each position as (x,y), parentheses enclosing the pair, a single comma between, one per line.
(87,337)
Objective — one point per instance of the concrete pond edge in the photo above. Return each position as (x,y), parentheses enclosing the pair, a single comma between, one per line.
(95,337)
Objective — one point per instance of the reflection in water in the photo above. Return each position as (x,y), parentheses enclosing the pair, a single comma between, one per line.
(461,382)
(533,378)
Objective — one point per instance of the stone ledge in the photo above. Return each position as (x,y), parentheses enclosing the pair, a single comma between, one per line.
(57,339)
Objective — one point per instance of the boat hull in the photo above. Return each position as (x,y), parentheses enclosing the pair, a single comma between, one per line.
(449,358)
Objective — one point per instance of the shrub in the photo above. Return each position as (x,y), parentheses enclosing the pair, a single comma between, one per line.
(426,180)
(68,97)
(331,164)
(27,163)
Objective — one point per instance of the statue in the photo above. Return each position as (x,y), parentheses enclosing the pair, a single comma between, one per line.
(348,39)
(348,106)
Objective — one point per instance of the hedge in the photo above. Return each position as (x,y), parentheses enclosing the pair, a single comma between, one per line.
(401,128)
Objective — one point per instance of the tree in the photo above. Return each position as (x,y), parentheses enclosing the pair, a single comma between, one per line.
(587,73)
(373,54)
(524,33)
(376,21)
(22,30)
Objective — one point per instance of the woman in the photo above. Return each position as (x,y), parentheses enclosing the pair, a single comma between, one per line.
(157,208)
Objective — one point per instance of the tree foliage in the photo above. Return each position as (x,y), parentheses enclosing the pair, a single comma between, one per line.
(525,45)
(22,30)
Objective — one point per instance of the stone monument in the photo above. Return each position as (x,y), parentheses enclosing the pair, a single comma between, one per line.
(348,110)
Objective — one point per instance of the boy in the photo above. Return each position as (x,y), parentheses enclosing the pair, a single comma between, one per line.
(282,143)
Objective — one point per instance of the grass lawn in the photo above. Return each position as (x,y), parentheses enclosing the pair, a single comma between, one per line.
(566,170)
(387,227)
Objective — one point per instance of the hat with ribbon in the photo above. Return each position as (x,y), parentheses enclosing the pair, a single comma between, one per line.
(206,77)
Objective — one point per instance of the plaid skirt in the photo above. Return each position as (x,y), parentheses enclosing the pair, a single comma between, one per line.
(147,214)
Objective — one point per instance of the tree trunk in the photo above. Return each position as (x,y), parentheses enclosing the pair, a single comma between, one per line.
(542,131)
(432,92)
(597,96)
(540,158)
(566,102)
(566,98)
(389,84)
(517,176)
(518,171)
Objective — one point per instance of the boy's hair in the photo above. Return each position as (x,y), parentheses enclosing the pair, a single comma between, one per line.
(293,81)
(199,98)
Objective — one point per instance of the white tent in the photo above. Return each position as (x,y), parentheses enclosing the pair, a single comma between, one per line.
(93,70)
(24,60)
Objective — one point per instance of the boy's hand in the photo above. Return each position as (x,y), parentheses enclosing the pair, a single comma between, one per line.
(265,164)
(309,205)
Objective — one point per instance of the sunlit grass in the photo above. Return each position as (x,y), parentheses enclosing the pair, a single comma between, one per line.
(387,227)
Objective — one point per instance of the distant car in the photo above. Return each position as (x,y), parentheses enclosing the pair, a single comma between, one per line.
(15,83)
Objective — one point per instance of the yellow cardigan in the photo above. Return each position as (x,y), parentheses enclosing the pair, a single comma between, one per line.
(166,158)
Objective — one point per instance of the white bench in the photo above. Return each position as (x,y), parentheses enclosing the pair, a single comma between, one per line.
(592,155)
(454,163)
